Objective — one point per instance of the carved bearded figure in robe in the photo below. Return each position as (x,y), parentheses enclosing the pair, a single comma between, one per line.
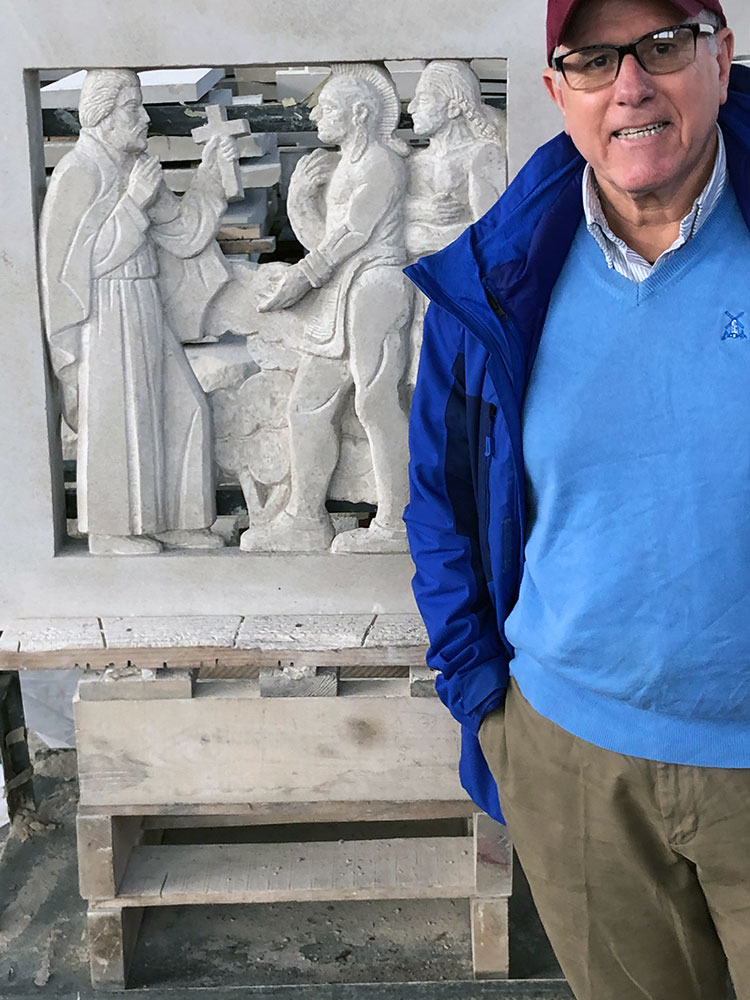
(346,208)
(128,270)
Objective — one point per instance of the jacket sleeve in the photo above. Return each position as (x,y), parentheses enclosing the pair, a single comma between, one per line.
(443,529)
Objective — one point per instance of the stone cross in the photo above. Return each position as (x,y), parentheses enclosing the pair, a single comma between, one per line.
(217,124)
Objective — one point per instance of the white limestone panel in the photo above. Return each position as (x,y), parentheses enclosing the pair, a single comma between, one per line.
(261,172)
(171,633)
(397,630)
(159,86)
(32,635)
(303,632)
(168,147)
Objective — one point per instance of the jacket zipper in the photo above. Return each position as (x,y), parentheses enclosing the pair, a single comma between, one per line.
(489,451)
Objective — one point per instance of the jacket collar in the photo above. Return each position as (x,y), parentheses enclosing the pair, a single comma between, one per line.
(508,262)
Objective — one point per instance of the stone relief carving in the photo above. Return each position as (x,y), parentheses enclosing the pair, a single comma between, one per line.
(307,398)
(346,208)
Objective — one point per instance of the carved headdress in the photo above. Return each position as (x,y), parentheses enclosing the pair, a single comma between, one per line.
(379,81)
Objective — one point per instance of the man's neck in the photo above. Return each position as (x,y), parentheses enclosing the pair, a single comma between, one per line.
(650,224)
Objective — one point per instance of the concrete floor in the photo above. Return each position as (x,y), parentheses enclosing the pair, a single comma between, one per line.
(410,950)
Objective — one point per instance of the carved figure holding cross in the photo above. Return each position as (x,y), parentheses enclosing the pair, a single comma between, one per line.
(218,126)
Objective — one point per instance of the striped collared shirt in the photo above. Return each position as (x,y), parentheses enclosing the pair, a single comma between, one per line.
(623,258)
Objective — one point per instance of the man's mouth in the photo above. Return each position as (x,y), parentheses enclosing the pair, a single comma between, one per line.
(641,132)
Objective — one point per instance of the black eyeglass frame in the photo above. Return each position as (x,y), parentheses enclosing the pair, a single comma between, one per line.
(558,62)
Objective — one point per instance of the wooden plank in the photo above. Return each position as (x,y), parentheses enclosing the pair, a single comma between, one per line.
(104,846)
(398,630)
(188,631)
(31,635)
(345,671)
(218,660)
(299,682)
(112,936)
(135,684)
(262,172)
(410,868)
(229,745)
(303,632)
(493,857)
(489,938)
(170,814)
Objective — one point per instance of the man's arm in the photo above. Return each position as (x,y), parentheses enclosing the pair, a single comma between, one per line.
(443,530)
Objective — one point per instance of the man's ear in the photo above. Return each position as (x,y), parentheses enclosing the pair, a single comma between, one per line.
(360,112)
(454,109)
(724,57)
(551,82)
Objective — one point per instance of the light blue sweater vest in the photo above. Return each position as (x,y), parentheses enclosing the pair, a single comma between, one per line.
(632,627)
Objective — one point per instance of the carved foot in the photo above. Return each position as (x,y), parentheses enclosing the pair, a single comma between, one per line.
(123,545)
(196,538)
(286,533)
(372,539)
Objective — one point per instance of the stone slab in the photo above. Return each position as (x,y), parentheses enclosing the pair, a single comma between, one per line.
(167,148)
(397,630)
(309,632)
(159,86)
(262,172)
(31,635)
(43,577)
(171,633)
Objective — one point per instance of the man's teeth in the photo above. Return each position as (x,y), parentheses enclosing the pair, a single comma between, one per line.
(641,133)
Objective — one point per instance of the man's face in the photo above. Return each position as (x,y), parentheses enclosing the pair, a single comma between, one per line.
(682,106)
(332,114)
(429,107)
(127,124)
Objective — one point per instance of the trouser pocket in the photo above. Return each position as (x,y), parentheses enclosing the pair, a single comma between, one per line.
(492,739)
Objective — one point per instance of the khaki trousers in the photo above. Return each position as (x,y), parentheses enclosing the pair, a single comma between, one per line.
(640,871)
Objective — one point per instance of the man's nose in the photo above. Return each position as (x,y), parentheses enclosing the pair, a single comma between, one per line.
(315,114)
(634,84)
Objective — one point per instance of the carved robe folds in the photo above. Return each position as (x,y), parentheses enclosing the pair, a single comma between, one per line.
(111,271)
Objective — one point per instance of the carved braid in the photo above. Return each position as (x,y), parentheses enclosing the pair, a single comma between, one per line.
(458,82)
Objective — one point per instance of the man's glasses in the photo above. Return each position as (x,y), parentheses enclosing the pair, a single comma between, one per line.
(667,50)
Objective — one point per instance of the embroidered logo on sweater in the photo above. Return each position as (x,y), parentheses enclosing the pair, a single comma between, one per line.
(735,330)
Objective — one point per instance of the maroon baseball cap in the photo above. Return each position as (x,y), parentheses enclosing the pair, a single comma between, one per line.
(559,13)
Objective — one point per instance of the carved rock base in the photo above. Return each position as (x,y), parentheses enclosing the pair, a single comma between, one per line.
(123,545)
(286,533)
(198,538)
(372,539)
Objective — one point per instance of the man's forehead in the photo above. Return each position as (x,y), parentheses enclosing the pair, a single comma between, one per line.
(592,17)
(129,94)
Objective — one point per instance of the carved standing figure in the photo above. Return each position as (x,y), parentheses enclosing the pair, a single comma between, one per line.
(459,176)
(128,270)
(462,172)
(347,209)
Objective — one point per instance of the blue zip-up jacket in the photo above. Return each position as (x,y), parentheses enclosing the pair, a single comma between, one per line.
(490,291)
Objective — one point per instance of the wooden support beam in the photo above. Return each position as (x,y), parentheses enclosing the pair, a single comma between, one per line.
(489,938)
(112,938)
(104,847)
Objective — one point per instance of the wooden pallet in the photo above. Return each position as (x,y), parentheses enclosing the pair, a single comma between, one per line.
(216,752)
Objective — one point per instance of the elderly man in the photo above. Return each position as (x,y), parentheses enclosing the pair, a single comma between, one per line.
(579,502)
